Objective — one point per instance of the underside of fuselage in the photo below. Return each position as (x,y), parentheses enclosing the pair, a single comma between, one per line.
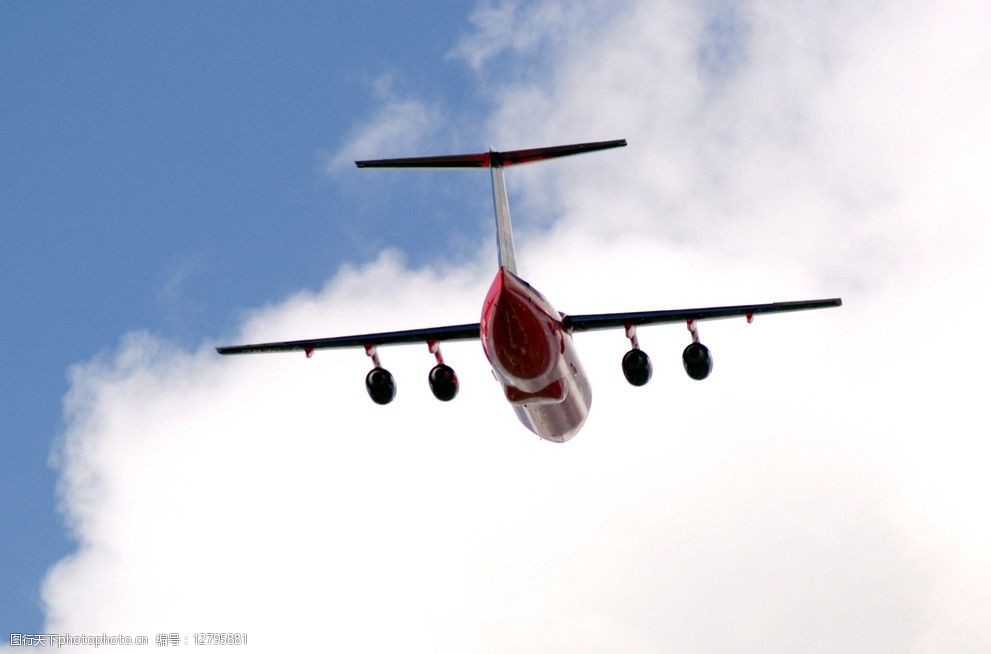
(534,359)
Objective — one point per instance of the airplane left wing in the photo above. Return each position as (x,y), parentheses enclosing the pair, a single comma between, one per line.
(445,333)
(590,321)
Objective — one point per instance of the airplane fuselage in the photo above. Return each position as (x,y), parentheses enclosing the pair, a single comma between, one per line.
(534,359)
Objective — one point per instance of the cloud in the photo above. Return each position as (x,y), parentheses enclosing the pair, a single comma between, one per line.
(507,28)
(399,125)
(824,490)
(819,135)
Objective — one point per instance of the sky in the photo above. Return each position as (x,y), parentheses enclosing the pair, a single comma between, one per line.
(178,178)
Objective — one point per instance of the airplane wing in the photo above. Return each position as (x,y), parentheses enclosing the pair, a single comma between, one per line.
(445,333)
(573,323)
(585,322)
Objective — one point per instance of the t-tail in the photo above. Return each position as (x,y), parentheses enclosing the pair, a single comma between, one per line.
(495,161)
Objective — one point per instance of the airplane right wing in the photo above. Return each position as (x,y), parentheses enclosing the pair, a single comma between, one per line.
(585,322)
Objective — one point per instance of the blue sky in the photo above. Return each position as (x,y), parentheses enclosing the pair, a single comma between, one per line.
(161,171)
(173,178)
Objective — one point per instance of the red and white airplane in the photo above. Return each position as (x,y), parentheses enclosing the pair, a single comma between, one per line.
(525,339)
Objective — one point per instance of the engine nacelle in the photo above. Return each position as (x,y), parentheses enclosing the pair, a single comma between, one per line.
(697,360)
(443,382)
(381,385)
(636,367)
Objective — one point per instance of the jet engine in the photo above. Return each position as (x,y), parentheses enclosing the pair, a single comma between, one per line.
(697,360)
(381,385)
(636,367)
(443,382)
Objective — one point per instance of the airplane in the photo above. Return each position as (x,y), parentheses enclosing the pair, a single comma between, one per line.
(527,342)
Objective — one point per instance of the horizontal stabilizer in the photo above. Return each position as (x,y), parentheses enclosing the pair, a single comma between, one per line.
(491,159)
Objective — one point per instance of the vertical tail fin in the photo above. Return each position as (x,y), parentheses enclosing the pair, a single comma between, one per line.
(495,161)
(504,226)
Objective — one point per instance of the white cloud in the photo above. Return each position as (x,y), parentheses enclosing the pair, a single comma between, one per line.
(399,125)
(510,29)
(823,491)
